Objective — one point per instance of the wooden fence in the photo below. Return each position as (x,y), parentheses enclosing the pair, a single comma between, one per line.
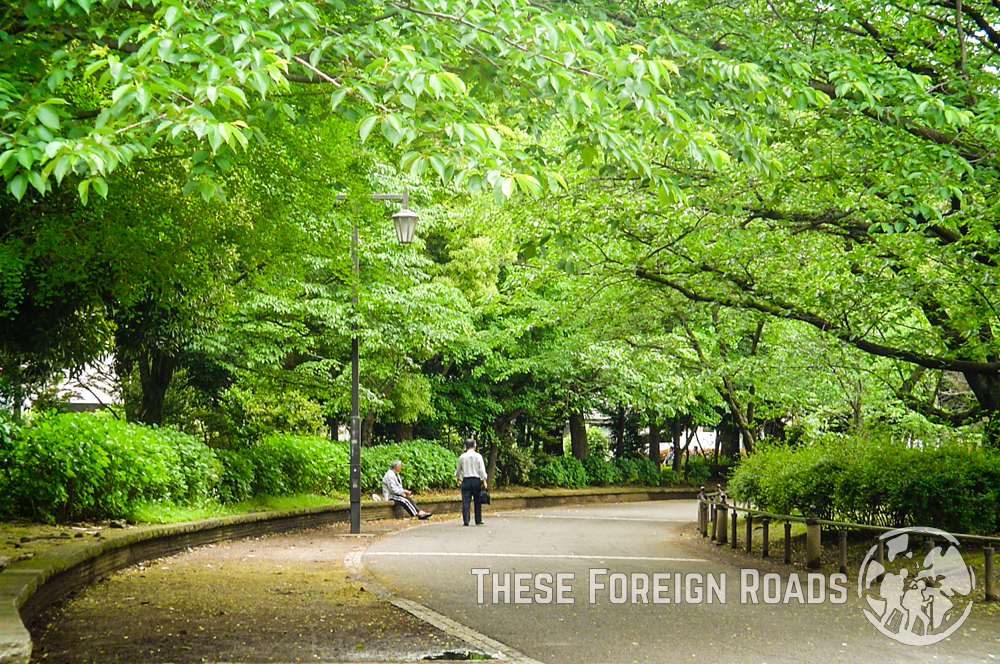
(719,519)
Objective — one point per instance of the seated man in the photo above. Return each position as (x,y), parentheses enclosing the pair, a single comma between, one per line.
(392,489)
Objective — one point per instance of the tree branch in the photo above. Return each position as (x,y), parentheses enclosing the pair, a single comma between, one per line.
(788,311)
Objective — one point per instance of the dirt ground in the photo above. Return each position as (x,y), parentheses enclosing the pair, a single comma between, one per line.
(286,599)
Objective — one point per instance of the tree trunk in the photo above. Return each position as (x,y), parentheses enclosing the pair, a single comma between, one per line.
(578,435)
(333,425)
(367,424)
(553,441)
(986,387)
(654,440)
(155,371)
(491,463)
(729,394)
(403,432)
(620,433)
(728,439)
(675,423)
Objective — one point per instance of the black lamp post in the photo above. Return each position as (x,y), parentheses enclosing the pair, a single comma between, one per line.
(405,222)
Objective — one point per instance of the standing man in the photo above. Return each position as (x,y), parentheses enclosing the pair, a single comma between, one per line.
(392,489)
(471,472)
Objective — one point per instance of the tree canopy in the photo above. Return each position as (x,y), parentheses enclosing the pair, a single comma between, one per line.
(756,213)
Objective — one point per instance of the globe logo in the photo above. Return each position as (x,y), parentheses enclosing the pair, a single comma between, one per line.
(916,597)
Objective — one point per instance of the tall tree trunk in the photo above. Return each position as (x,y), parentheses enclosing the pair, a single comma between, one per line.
(728,439)
(367,425)
(676,426)
(155,371)
(986,387)
(654,440)
(620,433)
(491,457)
(553,441)
(729,394)
(403,431)
(333,425)
(578,435)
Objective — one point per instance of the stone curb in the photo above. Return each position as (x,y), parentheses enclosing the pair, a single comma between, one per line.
(28,587)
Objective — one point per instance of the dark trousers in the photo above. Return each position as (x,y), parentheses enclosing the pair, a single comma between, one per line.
(471,486)
(407,504)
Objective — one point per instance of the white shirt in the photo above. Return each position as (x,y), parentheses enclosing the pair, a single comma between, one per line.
(470,464)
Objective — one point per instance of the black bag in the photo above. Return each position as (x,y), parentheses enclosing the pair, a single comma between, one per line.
(484,496)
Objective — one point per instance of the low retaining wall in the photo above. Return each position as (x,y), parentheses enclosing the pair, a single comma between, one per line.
(28,587)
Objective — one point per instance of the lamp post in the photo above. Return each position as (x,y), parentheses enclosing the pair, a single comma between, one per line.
(405,223)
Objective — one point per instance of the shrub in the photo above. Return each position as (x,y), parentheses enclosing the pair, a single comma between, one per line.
(236,480)
(951,487)
(699,471)
(722,469)
(628,470)
(598,444)
(600,472)
(648,473)
(561,471)
(426,465)
(285,464)
(8,432)
(668,476)
(78,466)
(514,465)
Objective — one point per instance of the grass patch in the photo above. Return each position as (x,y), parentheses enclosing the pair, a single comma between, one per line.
(277,503)
(162,513)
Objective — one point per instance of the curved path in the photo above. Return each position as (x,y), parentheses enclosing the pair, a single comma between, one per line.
(434,564)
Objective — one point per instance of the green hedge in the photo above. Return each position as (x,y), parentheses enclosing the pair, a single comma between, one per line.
(82,466)
(91,466)
(699,469)
(426,465)
(601,472)
(286,464)
(561,471)
(638,470)
(951,488)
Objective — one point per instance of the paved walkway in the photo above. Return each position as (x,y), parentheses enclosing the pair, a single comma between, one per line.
(436,565)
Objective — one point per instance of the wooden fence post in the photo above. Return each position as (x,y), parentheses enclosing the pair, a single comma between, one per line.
(702,513)
(814,547)
(749,519)
(765,547)
(788,542)
(991,590)
(843,551)
(722,522)
(880,557)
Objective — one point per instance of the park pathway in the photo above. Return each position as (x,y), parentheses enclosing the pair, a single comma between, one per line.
(434,565)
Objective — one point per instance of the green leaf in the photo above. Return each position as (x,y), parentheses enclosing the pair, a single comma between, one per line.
(18,186)
(366,127)
(170,16)
(238,41)
(366,93)
(84,189)
(48,117)
(336,98)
